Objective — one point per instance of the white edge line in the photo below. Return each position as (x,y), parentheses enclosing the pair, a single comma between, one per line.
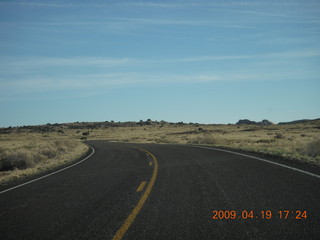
(264,160)
(50,174)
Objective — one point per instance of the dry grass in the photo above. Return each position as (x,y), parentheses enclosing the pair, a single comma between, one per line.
(24,153)
(296,141)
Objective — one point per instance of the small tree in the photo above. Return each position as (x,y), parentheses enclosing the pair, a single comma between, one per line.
(86,133)
(60,131)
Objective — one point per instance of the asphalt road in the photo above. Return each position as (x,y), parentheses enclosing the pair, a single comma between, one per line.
(164,192)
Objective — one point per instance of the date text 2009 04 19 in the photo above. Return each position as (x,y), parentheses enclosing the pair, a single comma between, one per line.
(265,214)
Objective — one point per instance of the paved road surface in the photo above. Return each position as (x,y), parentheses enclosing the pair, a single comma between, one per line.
(164,192)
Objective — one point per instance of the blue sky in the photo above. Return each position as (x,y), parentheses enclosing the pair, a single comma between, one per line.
(190,61)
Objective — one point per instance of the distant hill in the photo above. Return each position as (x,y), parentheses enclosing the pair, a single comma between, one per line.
(249,122)
(246,121)
(300,121)
(60,127)
(267,122)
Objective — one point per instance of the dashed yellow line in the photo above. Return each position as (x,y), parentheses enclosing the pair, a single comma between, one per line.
(127,223)
(141,186)
(150,163)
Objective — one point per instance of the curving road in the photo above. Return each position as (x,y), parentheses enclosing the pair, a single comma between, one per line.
(141,191)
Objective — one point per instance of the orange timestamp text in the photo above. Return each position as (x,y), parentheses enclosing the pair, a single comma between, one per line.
(265,214)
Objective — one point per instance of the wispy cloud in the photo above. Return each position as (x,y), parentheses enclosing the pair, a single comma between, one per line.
(87,82)
(289,54)
(73,82)
(29,62)
(125,23)
(211,58)
(9,63)
(216,4)
(55,74)
(90,82)
(159,21)
(154,21)
(284,40)
(35,4)
(294,54)
(83,61)
(170,4)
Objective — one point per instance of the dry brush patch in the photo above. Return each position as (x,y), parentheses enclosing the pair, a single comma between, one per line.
(26,154)
(295,141)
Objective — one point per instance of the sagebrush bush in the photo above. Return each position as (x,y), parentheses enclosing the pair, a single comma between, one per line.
(203,140)
(15,159)
(49,152)
(29,156)
(313,148)
(279,136)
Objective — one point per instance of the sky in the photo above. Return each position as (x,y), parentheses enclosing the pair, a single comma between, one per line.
(198,61)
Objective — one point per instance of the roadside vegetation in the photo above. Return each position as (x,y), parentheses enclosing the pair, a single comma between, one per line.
(32,149)
(300,141)
(27,153)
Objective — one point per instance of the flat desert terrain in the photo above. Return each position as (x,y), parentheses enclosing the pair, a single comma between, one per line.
(33,149)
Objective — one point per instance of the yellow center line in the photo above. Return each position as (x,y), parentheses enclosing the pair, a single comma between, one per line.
(127,223)
(141,186)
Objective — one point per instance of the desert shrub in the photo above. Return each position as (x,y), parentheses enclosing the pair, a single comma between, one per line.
(32,154)
(61,146)
(15,159)
(49,152)
(60,131)
(55,148)
(203,140)
(313,148)
(279,136)
(265,141)
(250,129)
